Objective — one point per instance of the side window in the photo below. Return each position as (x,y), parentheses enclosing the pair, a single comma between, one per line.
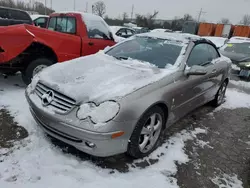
(199,55)
(97,29)
(213,52)
(52,23)
(40,22)
(130,32)
(4,14)
(121,32)
(18,15)
(63,24)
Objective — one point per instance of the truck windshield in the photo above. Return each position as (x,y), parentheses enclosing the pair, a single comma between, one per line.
(159,52)
(63,24)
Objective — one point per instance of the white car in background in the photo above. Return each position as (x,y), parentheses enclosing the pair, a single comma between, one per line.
(218,41)
(120,32)
(40,20)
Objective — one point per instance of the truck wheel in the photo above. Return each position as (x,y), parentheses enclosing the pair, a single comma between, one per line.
(33,68)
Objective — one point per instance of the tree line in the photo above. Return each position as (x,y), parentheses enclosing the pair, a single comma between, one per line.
(99,8)
(35,7)
(148,20)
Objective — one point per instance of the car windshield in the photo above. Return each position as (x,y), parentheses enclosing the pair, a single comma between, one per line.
(160,52)
(243,48)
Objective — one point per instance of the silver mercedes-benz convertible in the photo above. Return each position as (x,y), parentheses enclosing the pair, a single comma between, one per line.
(123,98)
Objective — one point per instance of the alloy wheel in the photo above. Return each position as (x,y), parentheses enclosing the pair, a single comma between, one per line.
(150,132)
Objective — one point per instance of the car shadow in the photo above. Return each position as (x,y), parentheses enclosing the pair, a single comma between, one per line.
(122,163)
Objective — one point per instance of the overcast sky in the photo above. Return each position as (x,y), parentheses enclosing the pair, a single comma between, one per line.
(168,9)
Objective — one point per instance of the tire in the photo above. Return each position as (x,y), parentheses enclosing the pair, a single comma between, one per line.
(29,72)
(134,146)
(219,99)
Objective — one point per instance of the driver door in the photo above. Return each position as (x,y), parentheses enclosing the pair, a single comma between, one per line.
(99,37)
(195,90)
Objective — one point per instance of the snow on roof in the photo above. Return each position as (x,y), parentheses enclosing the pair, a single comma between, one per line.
(114,29)
(84,14)
(183,37)
(137,27)
(158,30)
(239,39)
(218,41)
(35,16)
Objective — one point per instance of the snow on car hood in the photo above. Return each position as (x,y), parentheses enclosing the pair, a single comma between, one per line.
(100,77)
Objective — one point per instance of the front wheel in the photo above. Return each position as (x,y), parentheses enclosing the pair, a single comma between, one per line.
(33,68)
(220,96)
(147,132)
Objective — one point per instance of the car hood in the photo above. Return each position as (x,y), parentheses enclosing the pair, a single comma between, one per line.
(235,57)
(100,77)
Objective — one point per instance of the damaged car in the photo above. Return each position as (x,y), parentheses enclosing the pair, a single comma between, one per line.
(122,99)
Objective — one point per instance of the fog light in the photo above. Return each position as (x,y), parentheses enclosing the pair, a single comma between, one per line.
(90,144)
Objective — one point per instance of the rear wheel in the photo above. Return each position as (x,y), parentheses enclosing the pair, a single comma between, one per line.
(35,67)
(220,96)
(147,132)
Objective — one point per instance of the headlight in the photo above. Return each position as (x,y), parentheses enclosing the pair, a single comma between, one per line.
(103,113)
(246,64)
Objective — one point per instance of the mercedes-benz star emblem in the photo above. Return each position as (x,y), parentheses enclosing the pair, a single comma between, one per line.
(47,98)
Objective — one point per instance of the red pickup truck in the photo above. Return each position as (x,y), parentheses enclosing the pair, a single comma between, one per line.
(68,35)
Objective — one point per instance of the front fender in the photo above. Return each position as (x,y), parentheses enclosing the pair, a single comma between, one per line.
(14,40)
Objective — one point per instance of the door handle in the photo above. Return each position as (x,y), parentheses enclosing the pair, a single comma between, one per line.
(91,43)
(214,71)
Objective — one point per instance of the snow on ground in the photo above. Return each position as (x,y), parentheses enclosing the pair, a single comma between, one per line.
(235,67)
(243,84)
(38,163)
(226,181)
(235,99)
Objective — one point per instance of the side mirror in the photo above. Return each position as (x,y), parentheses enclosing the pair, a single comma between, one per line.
(111,36)
(196,70)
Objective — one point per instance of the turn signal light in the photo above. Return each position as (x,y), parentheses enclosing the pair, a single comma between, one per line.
(117,134)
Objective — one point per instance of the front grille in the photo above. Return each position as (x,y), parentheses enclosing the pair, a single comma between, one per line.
(60,102)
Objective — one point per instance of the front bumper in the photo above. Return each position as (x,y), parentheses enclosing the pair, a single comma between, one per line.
(94,143)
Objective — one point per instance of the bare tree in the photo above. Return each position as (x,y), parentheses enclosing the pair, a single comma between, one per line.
(224,21)
(176,24)
(150,18)
(36,6)
(99,8)
(124,17)
(245,20)
(187,17)
(146,21)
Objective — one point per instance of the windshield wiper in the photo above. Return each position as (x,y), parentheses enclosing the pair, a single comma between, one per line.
(121,57)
